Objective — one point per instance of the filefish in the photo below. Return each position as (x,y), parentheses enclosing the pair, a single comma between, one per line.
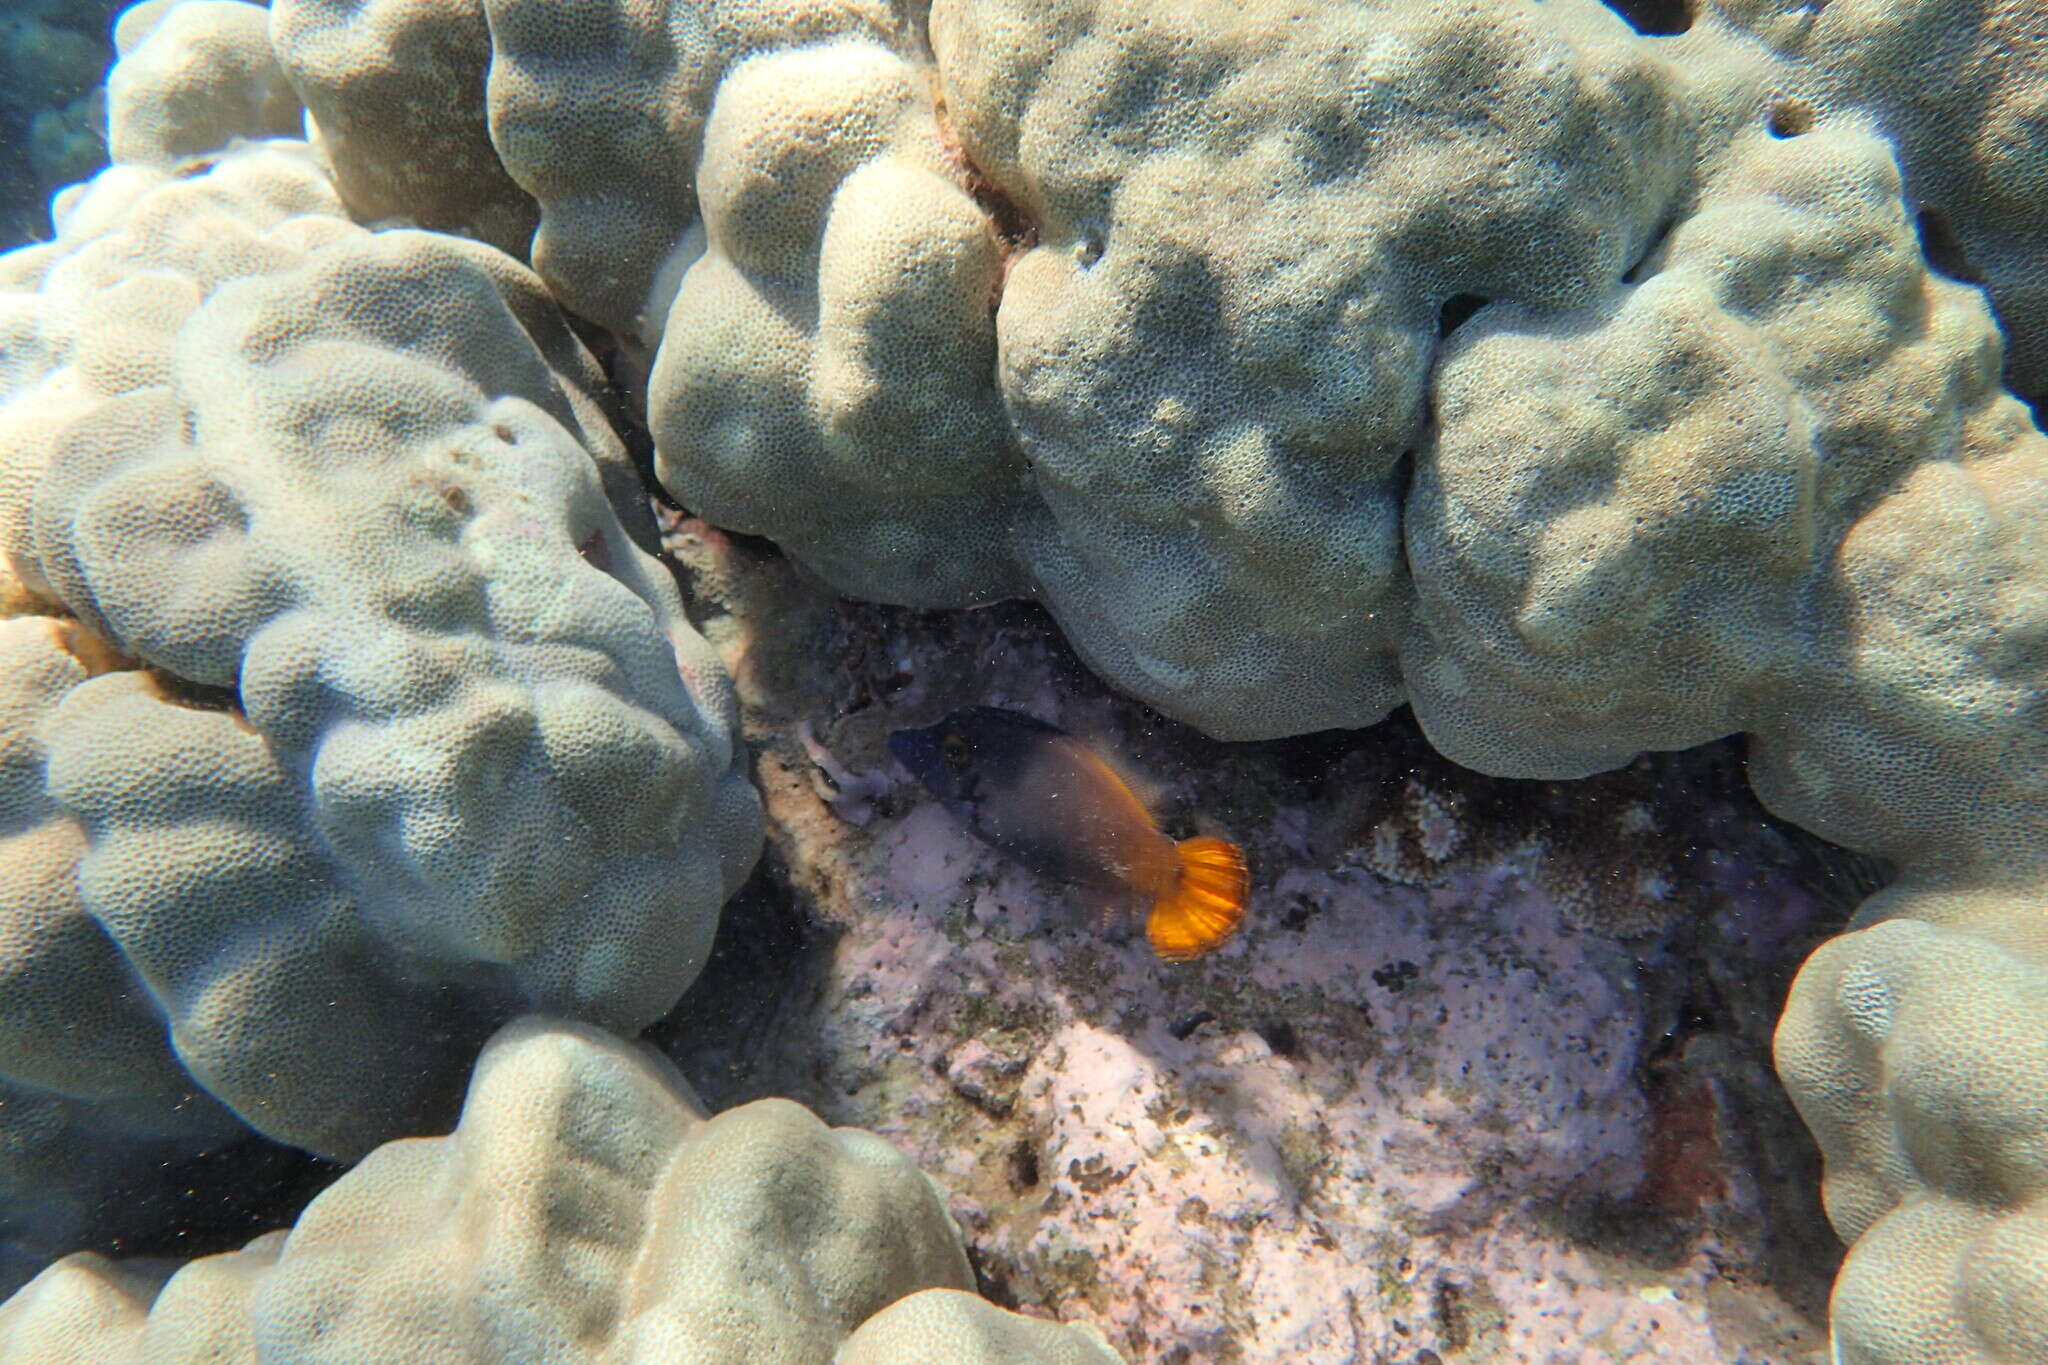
(1052,803)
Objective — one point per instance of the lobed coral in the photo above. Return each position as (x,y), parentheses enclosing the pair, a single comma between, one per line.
(1912,1045)
(1182,426)
(1590,391)
(91,1087)
(1970,143)
(403,732)
(394,93)
(194,75)
(584,1209)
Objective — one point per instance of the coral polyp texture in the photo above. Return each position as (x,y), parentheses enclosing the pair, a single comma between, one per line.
(584,1210)
(1215,356)
(1914,1046)
(834,338)
(391,729)
(193,75)
(394,93)
(1590,390)
(91,1086)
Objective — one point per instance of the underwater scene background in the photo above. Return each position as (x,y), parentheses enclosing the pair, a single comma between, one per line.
(53,59)
(1024,680)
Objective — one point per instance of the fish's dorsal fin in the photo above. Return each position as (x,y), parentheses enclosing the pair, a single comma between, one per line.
(1150,792)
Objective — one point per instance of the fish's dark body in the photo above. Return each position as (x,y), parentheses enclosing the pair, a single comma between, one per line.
(1055,805)
(1037,795)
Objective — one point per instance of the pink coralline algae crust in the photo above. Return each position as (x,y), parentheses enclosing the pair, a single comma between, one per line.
(1385,1124)
(1216,1197)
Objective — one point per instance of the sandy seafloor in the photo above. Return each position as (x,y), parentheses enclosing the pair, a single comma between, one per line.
(1485,1078)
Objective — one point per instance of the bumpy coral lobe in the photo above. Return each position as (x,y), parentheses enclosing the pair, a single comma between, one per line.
(833,342)
(192,76)
(91,1089)
(1972,141)
(424,736)
(395,89)
(584,1208)
(1938,1172)
(587,100)
(1718,453)
(1215,358)
(1669,566)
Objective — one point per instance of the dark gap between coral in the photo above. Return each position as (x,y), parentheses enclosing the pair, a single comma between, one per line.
(193,696)
(1011,223)
(768,954)
(216,1201)
(1943,248)
(1457,309)
(1655,18)
(1634,273)
(1015,228)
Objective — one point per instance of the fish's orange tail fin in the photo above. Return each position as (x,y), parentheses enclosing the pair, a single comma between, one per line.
(1206,903)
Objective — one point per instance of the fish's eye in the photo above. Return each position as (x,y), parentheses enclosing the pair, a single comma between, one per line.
(954,747)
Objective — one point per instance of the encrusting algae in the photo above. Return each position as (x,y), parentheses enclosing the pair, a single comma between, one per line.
(1052,803)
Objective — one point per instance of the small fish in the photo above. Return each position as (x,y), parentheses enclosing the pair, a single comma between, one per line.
(1044,798)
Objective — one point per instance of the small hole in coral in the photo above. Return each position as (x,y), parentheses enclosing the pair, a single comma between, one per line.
(1089,249)
(1790,118)
(1023,1165)
(596,551)
(1281,1037)
(1456,310)
(1655,18)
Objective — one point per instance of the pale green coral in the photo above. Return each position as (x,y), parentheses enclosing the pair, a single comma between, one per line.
(394,92)
(584,1210)
(1590,391)
(1955,86)
(194,75)
(1913,1045)
(423,737)
(835,337)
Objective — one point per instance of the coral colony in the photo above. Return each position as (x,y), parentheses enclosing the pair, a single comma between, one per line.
(1598,382)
